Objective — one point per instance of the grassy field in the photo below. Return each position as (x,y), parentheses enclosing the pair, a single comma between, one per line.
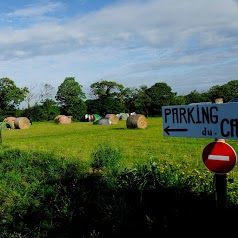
(166,178)
(78,140)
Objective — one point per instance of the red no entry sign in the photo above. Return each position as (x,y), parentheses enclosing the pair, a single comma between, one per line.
(219,157)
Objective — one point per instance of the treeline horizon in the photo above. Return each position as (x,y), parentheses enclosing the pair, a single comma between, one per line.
(107,97)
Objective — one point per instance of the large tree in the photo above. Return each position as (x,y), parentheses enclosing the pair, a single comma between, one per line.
(139,101)
(196,97)
(109,97)
(230,90)
(105,89)
(160,94)
(46,111)
(10,95)
(70,97)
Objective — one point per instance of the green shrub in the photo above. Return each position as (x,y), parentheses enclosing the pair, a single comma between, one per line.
(34,198)
(45,196)
(105,156)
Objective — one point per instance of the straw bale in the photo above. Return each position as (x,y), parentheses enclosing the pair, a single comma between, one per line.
(136,121)
(10,120)
(102,121)
(123,116)
(58,117)
(62,119)
(22,123)
(112,118)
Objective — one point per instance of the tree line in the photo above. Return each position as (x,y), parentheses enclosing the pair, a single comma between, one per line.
(106,97)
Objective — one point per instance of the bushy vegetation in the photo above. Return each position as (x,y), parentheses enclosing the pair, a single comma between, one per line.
(44,104)
(35,193)
(105,156)
(42,195)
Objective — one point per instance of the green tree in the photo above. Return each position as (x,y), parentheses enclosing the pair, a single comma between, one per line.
(105,89)
(35,113)
(230,90)
(129,96)
(92,106)
(196,97)
(109,97)
(50,109)
(179,100)
(226,91)
(140,102)
(217,91)
(160,94)
(70,97)
(11,95)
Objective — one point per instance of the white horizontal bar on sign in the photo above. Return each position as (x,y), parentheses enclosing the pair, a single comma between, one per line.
(219,157)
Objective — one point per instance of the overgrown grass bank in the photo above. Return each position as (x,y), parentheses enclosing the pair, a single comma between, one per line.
(42,195)
(83,180)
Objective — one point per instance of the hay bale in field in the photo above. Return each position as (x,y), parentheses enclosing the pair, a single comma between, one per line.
(62,119)
(102,121)
(112,118)
(10,120)
(22,123)
(123,116)
(136,121)
(58,117)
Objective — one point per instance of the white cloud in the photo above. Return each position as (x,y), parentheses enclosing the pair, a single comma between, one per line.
(188,44)
(32,10)
(151,24)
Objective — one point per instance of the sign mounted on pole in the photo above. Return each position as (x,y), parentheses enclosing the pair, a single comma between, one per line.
(201,120)
(219,157)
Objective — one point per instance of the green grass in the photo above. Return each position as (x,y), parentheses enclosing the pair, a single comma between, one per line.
(40,192)
(78,140)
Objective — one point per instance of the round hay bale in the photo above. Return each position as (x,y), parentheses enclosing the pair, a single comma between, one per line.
(10,120)
(62,119)
(123,116)
(136,121)
(113,118)
(22,123)
(56,119)
(102,121)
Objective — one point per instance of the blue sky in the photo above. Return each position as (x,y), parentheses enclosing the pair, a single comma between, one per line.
(188,44)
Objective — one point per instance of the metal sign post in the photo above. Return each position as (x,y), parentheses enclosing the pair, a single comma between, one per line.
(220,180)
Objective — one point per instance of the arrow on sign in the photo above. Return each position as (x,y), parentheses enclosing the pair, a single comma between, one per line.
(167,130)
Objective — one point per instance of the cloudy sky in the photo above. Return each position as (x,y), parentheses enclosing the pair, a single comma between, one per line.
(188,44)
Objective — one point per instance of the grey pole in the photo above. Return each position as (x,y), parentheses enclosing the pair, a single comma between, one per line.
(220,181)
